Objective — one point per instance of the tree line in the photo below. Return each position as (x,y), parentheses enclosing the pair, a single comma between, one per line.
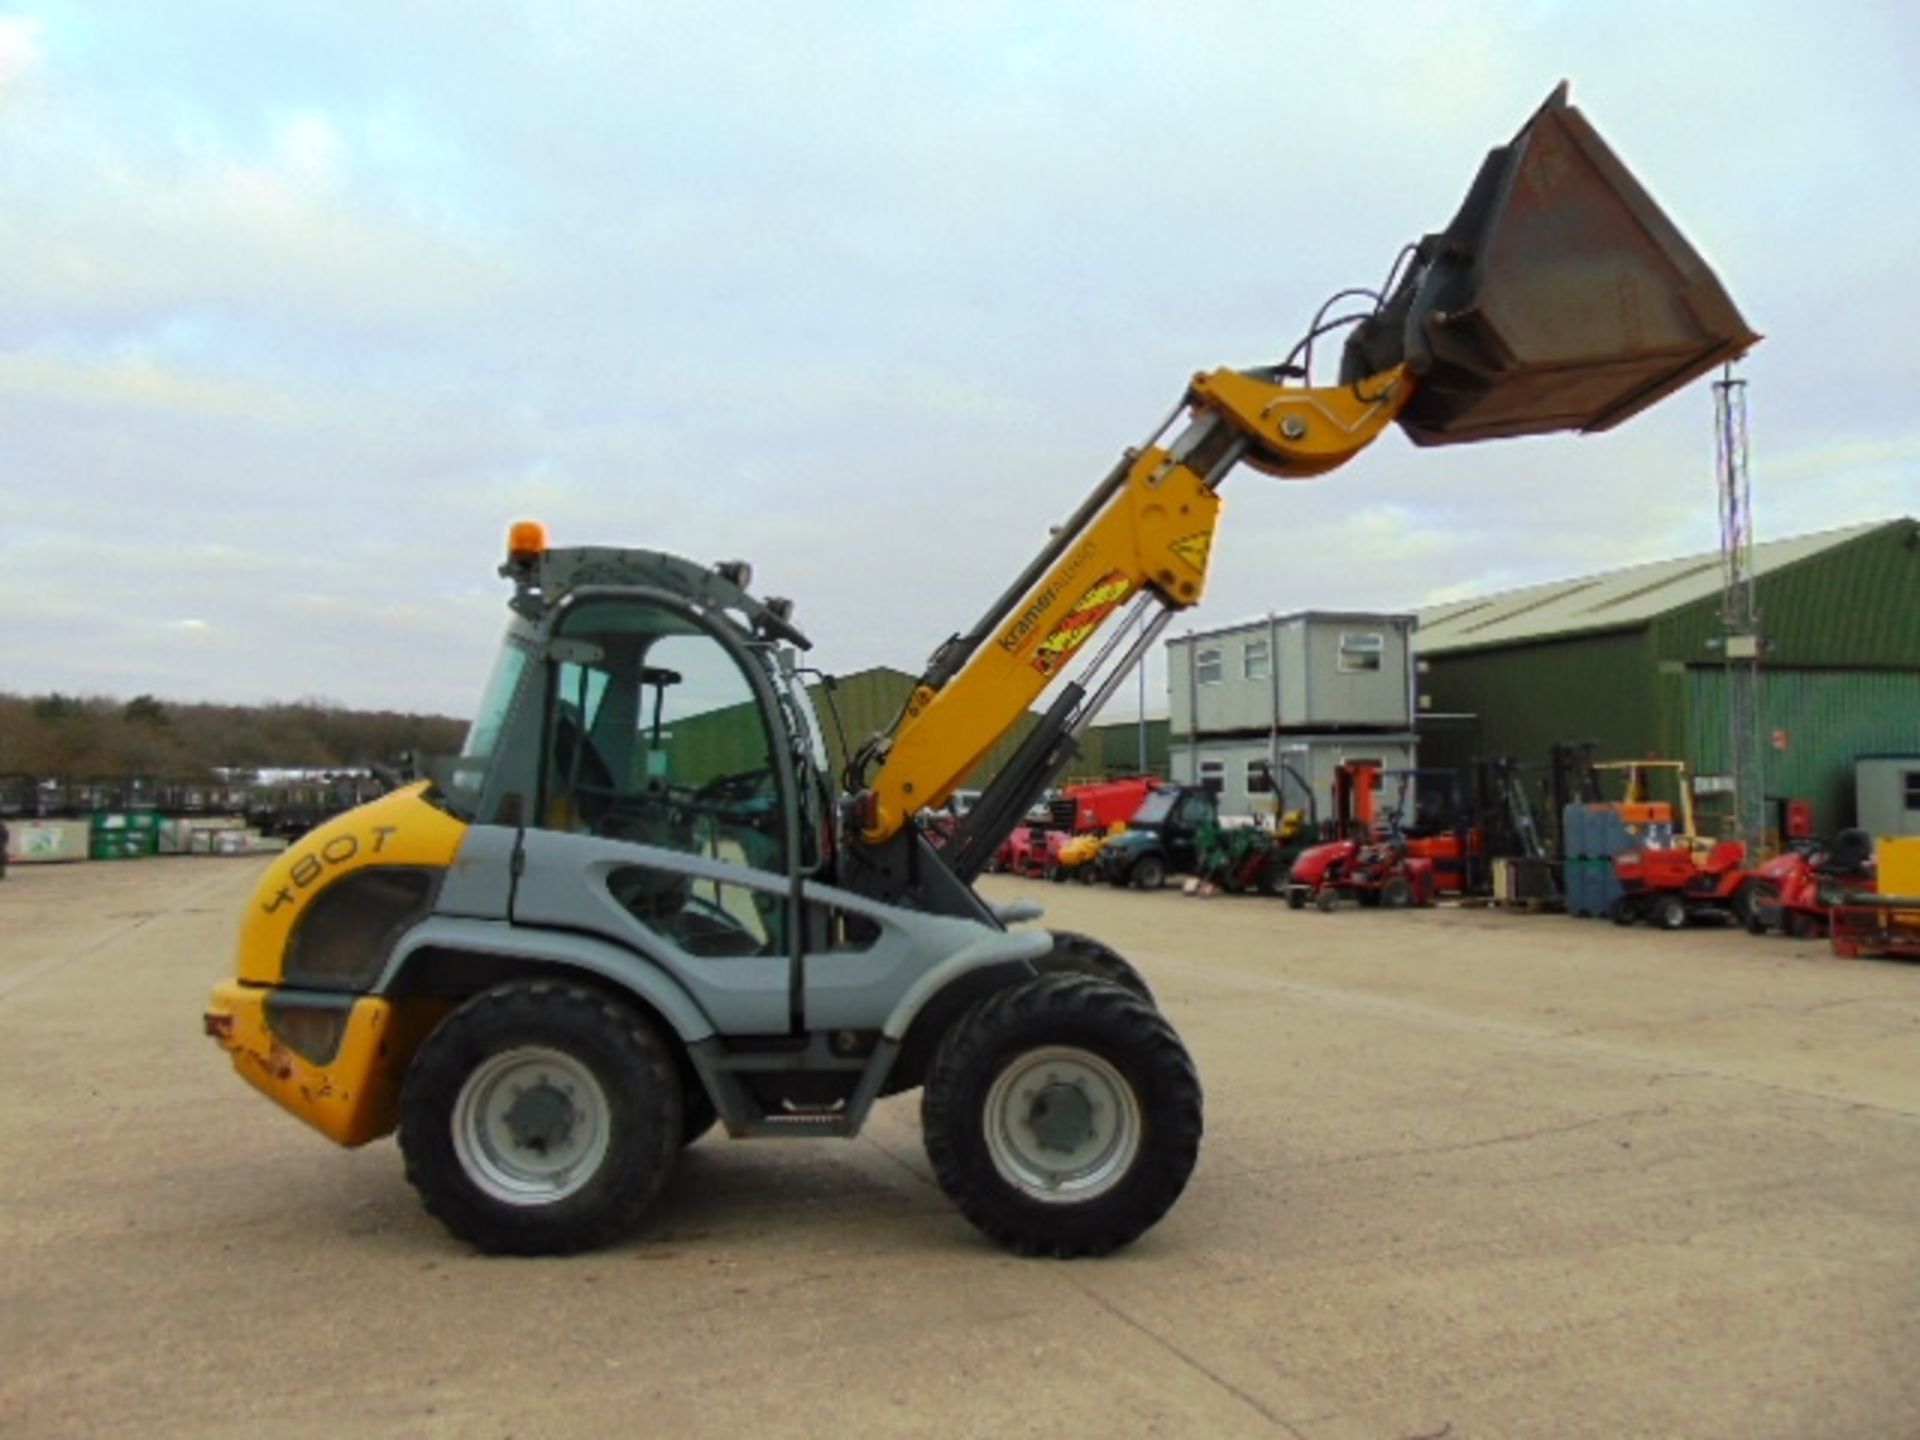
(92,736)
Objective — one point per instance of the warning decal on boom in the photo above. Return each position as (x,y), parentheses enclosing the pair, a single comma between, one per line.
(1080,621)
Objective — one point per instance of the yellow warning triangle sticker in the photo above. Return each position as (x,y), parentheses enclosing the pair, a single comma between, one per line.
(1193,548)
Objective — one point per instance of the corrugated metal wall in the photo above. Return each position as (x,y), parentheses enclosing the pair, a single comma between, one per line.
(1525,697)
(1827,719)
(1842,678)
(1855,605)
(1113,750)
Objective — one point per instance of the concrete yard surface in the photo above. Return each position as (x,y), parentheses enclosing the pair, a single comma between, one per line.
(1466,1174)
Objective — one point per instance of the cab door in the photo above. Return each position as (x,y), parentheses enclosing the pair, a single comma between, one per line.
(664,817)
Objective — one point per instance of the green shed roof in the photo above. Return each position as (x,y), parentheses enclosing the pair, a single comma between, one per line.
(1614,600)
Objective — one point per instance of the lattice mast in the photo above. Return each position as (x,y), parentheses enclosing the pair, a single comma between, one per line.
(1739,613)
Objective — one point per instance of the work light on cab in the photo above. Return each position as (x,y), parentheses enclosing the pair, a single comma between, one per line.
(526,540)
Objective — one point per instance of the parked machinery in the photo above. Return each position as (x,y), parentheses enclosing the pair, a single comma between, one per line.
(1099,810)
(1162,838)
(1367,861)
(1061,837)
(1796,892)
(1251,858)
(1437,825)
(1079,857)
(1670,886)
(1884,924)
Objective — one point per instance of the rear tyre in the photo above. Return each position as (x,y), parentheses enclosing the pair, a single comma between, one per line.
(1623,911)
(1077,954)
(1296,899)
(1062,1116)
(1396,893)
(1149,872)
(1669,912)
(541,1119)
(1327,900)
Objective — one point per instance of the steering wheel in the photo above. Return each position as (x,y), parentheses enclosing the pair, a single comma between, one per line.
(734,796)
(647,815)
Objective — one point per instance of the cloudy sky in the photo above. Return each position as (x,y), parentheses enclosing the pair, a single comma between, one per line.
(302,303)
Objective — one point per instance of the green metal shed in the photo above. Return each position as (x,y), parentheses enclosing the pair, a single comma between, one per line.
(1630,659)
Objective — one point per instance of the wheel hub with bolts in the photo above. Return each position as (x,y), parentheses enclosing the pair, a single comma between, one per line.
(1061,1117)
(530,1125)
(540,1118)
(1063,1125)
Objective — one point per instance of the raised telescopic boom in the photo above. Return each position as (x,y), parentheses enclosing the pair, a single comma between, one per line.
(1559,297)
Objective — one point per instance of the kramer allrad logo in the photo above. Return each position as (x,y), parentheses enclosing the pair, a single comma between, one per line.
(1037,607)
(1080,621)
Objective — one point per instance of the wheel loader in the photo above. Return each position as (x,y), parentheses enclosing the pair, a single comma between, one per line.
(641,903)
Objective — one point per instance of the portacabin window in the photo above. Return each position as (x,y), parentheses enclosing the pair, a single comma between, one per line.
(1911,786)
(1256,662)
(1213,775)
(1259,777)
(1361,651)
(1208,666)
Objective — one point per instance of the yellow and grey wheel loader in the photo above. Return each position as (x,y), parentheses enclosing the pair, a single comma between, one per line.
(641,903)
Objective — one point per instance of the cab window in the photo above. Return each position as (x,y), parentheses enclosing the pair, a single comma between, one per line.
(654,735)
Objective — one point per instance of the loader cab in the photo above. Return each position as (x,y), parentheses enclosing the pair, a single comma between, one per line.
(653,732)
(666,744)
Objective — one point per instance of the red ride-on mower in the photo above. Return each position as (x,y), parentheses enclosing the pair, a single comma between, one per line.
(1670,887)
(1794,894)
(1033,851)
(1370,872)
(1368,863)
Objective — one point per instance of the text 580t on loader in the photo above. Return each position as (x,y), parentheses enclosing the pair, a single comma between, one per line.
(641,903)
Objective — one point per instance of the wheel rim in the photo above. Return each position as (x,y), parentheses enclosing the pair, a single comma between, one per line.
(530,1126)
(1063,1126)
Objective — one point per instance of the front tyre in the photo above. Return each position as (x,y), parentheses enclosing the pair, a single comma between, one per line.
(1062,1116)
(1077,954)
(541,1118)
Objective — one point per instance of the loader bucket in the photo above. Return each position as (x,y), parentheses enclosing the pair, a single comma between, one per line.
(1559,298)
